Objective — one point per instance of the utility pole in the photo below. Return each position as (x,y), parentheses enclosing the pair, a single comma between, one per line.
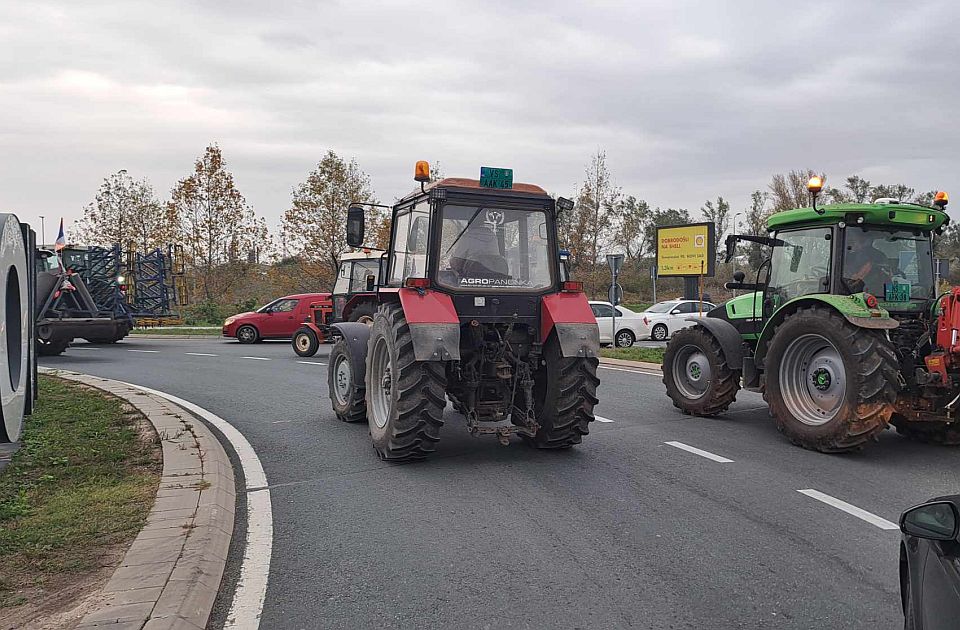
(43,232)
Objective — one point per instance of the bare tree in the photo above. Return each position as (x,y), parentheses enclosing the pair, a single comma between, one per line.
(789,190)
(719,215)
(599,202)
(126,212)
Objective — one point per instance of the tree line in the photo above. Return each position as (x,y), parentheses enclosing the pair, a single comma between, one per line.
(233,261)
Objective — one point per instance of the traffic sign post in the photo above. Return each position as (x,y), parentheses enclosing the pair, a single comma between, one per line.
(615,293)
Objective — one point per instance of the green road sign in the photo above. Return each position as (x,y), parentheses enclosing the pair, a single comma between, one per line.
(496,177)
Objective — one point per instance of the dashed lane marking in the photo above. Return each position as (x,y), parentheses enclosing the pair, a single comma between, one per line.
(853,510)
(82,348)
(311,362)
(256,358)
(200,354)
(700,452)
(602,419)
(145,351)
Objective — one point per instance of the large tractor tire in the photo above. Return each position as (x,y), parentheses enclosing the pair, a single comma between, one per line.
(50,348)
(363,313)
(564,394)
(699,379)
(946,433)
(405,397)
(346,395)
(305,342)
(830,385)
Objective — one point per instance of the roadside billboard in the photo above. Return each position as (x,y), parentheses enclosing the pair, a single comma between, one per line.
(686,250)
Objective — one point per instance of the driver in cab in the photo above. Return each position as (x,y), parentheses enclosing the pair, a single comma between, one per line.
(476,255)
(865,266)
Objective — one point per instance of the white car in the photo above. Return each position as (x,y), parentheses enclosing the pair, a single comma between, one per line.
(663,319)
(630,326)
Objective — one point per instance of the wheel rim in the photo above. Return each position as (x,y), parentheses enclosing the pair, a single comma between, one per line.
(365,319)
(381,383)
(245,334)
(812,379)
(342,380)
(624,340)
(659,333)
(303,342)
(691,372)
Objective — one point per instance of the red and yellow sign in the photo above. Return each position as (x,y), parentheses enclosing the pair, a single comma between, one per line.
(686,250)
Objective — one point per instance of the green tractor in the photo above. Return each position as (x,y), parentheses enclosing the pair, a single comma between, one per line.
(842,329)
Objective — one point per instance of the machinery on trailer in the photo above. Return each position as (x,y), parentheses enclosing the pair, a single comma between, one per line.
(843,329)
(354,299)
(471,307)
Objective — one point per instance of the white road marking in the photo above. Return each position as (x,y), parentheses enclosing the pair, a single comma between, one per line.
(145,351)
(281,421)
(256,358)
(200,354)
(700,452)
(82,348)
(311,362)
(251,589)
(618,369)
(860,513)
(602,419)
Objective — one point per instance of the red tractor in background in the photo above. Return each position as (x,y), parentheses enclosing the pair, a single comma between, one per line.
(354,299)
(473,307)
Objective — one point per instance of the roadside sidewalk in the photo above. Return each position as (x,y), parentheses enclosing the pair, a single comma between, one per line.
(171,573)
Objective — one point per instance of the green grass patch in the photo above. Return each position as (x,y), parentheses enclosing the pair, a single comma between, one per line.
(650,355)
(80,486)
(206,331)
(638,307)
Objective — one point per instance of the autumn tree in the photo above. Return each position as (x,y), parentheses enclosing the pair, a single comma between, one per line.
(216,224)
(719,214)
(789,190)
(314,225)
(598,201)
(662,218)
(126,212)
(632,217)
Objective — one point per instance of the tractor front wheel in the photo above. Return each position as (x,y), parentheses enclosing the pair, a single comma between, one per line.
(405,397)
(51,348)
(346,395)
(363,313)
(698,378)
(564,394)
(830,385)
(305,342)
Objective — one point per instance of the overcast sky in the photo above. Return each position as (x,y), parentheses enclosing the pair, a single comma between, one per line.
(689,99)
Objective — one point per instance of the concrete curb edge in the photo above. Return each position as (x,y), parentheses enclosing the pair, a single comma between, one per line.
(170,575)
(637,365)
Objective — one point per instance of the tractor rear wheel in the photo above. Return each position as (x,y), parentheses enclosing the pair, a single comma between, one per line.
(698,378)
(830,385)
(564,394)
(346,395)
(405,397)
(305,342)
(946,433)
(363,313)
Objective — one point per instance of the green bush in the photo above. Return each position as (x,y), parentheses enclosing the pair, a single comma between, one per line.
(203,313)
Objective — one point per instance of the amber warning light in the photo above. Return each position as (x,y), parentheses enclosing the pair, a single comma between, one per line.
(941,199)
(422,171)
(815,184)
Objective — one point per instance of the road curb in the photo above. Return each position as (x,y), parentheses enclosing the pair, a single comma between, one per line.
(637,365)
(170,575)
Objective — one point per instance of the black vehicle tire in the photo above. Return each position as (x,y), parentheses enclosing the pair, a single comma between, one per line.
(830,385)
(363,312)
(945,433)
(248,334)
(346,396)
(51,348)
(624,338)
(564,394)
(698,378)
(659,332)
(305,342)
(405,397)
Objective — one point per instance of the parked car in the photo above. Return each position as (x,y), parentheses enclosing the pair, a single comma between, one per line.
(663,319)
(930,565)
(629,325)
(277,320)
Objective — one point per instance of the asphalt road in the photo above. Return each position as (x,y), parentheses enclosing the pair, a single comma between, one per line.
(625,530)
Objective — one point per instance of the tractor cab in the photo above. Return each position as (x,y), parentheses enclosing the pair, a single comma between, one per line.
(354,292)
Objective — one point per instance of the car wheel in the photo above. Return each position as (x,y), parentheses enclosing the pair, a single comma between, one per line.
(247,334)
(659,332)
(625,339)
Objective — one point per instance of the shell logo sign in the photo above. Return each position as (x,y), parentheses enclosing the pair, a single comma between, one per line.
(686,250)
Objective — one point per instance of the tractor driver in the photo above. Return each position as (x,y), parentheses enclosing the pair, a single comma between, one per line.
(864,267)
(476,255)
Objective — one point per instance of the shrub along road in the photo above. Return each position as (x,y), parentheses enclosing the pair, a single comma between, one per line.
(656,520)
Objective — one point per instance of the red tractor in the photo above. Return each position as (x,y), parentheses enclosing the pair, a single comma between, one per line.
(472,307)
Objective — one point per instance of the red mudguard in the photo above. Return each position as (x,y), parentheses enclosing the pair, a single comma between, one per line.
(434,324)
(570,315)
(430,308)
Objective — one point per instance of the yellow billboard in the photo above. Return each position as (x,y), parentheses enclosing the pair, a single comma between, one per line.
(686,250)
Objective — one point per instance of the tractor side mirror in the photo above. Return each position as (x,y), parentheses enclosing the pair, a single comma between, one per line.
(795,258)
(935,521)
(739,276)
(731,244)
(355,221)
(371,282)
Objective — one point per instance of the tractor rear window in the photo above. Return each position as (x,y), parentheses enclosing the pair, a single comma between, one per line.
(487,247)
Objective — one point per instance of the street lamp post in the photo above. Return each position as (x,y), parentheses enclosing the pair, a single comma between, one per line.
(735,215)
(43,233)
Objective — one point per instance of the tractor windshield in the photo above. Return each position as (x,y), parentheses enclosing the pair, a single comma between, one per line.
(488,247)
(894,265)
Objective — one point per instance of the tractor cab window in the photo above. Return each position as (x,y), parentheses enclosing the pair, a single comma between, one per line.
(410,237)
(488,247)
(358,275)
(342,285)
(894,265)
(799,266)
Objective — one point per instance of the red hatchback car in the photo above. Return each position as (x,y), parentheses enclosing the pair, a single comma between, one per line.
(277,320)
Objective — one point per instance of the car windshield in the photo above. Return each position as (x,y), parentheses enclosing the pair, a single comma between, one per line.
(488,247)
(894,265)
(662,307)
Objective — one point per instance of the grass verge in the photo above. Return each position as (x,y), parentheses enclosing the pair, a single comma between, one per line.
(212,331)
(650,355)
(73,497)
